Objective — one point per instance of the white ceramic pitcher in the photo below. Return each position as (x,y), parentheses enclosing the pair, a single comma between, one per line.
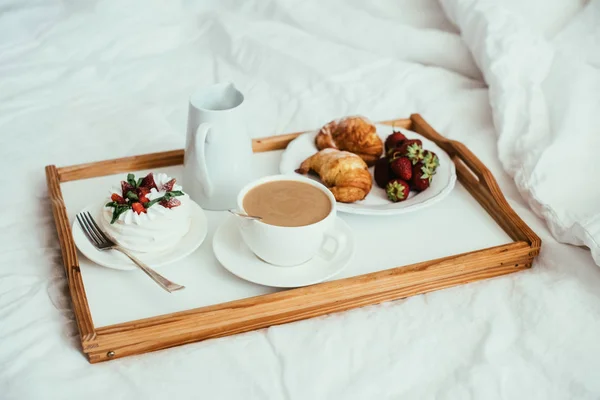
(218,151)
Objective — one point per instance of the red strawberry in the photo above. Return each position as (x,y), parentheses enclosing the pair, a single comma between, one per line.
(394,140)
(117,199)
(126,187)
(413,149)
(142,193)
(422,177)
(382,173)
(148,182)
(431,160)
(402,168)
(138,208)
(172,202)
(167,187)
(397,190)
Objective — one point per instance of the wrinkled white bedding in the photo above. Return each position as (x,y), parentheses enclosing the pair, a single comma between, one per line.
(83,81)
(545,96)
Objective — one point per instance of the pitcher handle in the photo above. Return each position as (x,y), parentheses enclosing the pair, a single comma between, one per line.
(200,137)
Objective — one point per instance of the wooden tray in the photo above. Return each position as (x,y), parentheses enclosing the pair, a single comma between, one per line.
(135,337)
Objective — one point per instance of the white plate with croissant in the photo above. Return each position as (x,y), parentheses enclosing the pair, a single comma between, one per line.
(372,169)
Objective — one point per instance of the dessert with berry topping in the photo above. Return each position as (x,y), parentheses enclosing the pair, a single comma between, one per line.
(148,214)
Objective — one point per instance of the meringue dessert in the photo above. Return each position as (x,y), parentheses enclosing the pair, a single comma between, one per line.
(150,214)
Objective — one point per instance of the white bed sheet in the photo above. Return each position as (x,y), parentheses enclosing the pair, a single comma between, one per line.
(90,80)
(544,93)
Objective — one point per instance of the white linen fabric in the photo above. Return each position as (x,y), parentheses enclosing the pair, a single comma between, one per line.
(545,98)
(90,80)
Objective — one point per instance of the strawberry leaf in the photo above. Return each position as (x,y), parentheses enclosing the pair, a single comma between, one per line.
(131,180)
(120,209)
(153,202)
(132,196)
(168,196)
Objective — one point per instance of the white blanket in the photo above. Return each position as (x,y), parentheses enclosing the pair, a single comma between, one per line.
(90,80)
(545,97)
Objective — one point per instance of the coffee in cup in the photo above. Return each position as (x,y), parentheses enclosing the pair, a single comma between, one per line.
(296,213)
(287,203)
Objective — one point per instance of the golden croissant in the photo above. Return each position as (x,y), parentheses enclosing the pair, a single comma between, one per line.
(344,173)
(354,134)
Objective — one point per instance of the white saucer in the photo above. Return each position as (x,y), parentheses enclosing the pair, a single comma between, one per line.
(236,257)
(376,202)
(116,260)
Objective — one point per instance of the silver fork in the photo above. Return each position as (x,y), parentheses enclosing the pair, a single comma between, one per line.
(102,242)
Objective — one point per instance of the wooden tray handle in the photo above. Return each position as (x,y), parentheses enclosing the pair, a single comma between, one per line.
(480,182)
(452,147)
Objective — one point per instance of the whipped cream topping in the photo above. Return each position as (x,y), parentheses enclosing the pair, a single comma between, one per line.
(158,229)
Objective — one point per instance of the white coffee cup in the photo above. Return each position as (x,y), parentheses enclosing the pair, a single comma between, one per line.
(288,246)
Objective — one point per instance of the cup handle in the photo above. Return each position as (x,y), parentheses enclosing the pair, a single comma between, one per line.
(201,137)
(329,254)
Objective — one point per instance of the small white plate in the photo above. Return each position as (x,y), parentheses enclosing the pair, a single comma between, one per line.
(237,258)
(116,260)
(376,202)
